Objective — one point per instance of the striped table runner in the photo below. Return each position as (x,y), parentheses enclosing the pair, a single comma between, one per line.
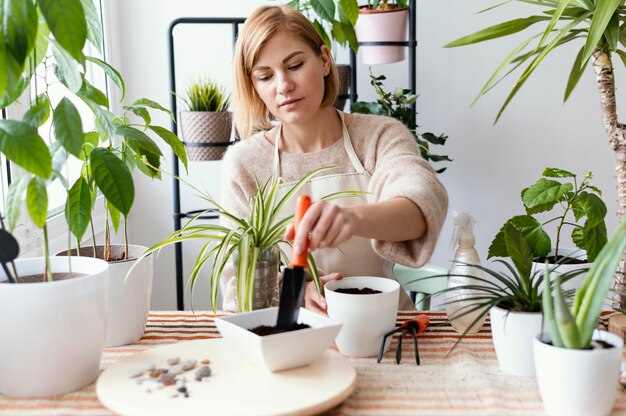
(465,382)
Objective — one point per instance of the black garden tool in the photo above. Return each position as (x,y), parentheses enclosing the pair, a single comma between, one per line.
(414,326)
(9,249)
(292,288)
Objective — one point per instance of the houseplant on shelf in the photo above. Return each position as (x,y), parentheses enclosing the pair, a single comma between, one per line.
(578,367)
(382,21)
(334,21)
(397,105)
(597,25)
(206,123)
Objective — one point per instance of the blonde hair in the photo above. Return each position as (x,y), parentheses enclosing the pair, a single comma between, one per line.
(250,113)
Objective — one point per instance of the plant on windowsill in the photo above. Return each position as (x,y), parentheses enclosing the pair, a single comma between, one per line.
(206,123)
(397,105)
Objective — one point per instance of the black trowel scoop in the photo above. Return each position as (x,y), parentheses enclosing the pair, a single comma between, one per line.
(292,288)
(9,249)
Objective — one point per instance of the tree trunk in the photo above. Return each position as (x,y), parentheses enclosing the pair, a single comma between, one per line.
(617,141)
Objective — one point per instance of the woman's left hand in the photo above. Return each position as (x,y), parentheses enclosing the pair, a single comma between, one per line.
(317,302)
(328,225)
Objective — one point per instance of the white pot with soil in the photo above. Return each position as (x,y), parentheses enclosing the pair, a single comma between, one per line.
(513,334)
(52,332)
(579,382)
(128,299)
(576,259)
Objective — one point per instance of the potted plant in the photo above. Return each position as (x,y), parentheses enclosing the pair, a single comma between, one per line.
(334,21)
(206,124)
(253,244)
(56,324)
(382,21)
(596,25)
(576,201)
(578,366)
(397,105)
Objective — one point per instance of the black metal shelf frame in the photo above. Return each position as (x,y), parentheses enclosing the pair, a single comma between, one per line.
(235,22)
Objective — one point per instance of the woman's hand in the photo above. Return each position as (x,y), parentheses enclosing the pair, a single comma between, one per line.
(328,225)
(313,300)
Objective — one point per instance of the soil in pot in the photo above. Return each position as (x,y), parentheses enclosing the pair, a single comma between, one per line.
(117,253)
(560,260)
(38,278)
(358,291)
(264,330)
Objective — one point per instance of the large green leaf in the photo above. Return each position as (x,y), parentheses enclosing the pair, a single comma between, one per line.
(18,28)
(67,68)
(558,12)
(78,207)
(622,34)
(594,237)
(320,29)
(325,9)
(173,141)
(113,179)
(114,216)
(94,26)
(622,56)
(145,102)
(545,191)
(66,20)
(94,94)
(557,173)
(37,201)
(611,34)
(350,8)
(518,250)
(68,127)
(104,118)
(138,140)
(22,144)
(39,112)
(537,239)
(111,72)
(14,202)
(141,112)
(602,15)
(496,31)
(577,71)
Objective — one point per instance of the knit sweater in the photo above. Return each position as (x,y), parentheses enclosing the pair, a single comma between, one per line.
(387,151)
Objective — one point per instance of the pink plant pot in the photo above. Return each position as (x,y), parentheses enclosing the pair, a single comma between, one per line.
(381,26)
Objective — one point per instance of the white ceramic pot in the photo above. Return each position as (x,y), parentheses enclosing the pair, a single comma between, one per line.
(381,26)
(128,299)
(513,334)
(578,382)
(575,253)
(52,332)
(365,318)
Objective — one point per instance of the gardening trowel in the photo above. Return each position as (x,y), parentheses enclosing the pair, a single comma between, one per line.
(292,288)
(9,249)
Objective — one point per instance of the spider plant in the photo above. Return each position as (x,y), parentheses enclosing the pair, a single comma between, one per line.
(206,95)
(248,236)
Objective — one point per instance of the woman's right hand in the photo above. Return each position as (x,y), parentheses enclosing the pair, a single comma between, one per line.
(317,302)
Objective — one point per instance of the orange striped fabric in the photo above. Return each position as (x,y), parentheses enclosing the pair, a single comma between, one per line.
(466,381)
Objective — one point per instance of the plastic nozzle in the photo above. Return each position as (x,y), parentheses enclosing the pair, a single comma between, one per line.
(463,229)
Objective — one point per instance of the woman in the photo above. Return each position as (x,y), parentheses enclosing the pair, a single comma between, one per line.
(285,84)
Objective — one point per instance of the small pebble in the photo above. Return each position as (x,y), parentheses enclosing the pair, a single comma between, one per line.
(135,373)
(205,361)
(173,360)
(188,364)
(202,372)
(182,389)
(155,373)
(167,379)
(175,369)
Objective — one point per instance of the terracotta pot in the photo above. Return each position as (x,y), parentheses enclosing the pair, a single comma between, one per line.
(202,128)
(381,26)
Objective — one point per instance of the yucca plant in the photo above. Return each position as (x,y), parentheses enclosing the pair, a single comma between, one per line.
(206,95)
(600,25)
(249,237)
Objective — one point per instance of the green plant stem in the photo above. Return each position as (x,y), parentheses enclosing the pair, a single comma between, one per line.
(46,253)
(125,239)
(93,238)
(107,233)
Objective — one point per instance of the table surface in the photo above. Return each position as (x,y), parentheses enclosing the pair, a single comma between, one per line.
(466,381)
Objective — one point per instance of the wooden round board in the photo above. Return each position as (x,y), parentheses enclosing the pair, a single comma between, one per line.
(235,386)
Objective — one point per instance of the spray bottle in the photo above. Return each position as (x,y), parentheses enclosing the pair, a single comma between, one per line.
(462,274)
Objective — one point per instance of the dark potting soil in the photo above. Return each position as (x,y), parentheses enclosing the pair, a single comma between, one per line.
(357,291)
(598,342)
(264,330)
(560,260)
(37,278)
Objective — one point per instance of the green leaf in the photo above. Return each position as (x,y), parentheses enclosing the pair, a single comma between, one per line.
(37,201)
(537,239)
(68,126)
(320,29)
(558,12)
(138,140)
(367,108)
(18,28)
(173,142)
(39,112)
(611,34)
(78,208)
(544,192)
(548,308)
(113,179)
(111,72)
(59,158)
(496,31)
(66,20)
(14,202)
(22,144)
(104,118)
(325,9)
(518,250)
(602,15)
(577,71)
(337,32)
(595,209)
(94,26)
(557,173)
(141,112)
(622,34)
(594,237)
(151,104)
(67,69)
(350,8)
(622,56)
(115,217)
(94,94)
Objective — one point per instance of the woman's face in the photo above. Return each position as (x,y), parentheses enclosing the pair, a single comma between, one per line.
(289,78)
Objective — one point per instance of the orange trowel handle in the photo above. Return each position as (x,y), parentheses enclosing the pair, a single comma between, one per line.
(420,322)
(302,205)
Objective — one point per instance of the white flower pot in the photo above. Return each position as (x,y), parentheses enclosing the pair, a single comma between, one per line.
(381,26)
(513,334)
(575,253)
(578,382)
(128,300)
(52,332)
(365,318)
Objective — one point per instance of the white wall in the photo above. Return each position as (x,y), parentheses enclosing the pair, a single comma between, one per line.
(492,164)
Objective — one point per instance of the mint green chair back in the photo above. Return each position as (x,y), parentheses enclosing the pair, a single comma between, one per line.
(418,290)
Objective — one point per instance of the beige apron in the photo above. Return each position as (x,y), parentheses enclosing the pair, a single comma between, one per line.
(355,257)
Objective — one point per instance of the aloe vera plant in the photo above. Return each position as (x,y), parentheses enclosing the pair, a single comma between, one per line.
(249,236)
(573,328)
